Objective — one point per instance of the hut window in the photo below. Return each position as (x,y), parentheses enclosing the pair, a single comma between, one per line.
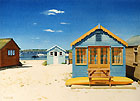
(117,56)
(81,57)
(11,52)
(51,53)
(60,53)
(98,37)
(93,55)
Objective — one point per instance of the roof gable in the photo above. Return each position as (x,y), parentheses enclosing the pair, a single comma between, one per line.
(105,30)
(56,47)
(3,42)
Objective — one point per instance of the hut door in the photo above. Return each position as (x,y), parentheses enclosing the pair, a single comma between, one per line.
(98,57)
(55,58)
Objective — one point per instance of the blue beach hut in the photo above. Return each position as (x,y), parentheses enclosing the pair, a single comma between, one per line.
(56,55)
(100,50)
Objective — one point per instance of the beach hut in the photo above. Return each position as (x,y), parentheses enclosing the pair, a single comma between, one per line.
(99,52)
(70,57)
(133,58)
(56,55)
(9,52)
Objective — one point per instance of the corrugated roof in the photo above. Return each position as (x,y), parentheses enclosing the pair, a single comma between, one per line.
(134,41)
(3,42)
(104,29)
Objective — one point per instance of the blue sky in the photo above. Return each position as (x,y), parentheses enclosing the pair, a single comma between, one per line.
(44,23)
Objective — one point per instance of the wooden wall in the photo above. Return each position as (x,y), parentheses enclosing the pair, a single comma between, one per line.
(137,69)
(132,68)
(107,40)
(70,57)
(61,58)
(6,60)
(130,56)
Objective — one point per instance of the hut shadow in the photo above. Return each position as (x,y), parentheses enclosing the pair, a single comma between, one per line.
(130,72)
(13,67)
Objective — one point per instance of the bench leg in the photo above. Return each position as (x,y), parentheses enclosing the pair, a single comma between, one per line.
(109,81)
(90,82)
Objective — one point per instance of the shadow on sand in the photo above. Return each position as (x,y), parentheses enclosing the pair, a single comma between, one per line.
(13,67)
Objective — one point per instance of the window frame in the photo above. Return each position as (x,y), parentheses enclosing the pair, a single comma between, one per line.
(121,56)
(14,53)
(97,37)
(11,52)
(60,53)
(76,56)
(51,54)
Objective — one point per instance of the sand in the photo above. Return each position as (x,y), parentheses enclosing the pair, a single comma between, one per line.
(35,82)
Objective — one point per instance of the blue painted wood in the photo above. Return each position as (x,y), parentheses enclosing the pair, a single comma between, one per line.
(61,58)
(78,70)
(90,40)
(107,40)
(56,48)
(119,70)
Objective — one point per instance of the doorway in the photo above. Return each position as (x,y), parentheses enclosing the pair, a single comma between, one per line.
(55,58)
(55,53)
(99,60)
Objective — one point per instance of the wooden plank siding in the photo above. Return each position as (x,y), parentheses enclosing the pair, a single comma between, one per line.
(61,58)
(107,41)
(132,67)
(6,60)
(70,57)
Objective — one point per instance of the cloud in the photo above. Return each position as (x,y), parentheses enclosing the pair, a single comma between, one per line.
(36,38)
(52,12)
(55,11)
(34,23)
(59,31)
(64,23)
(49,30)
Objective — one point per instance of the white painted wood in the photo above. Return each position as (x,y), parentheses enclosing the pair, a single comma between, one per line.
(55,58)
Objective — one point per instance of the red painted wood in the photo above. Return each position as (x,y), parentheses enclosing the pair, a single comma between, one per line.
(6,60)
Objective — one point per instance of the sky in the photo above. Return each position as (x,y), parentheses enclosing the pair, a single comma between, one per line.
(41,24)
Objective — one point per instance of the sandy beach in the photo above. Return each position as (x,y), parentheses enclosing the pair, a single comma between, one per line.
(35,82)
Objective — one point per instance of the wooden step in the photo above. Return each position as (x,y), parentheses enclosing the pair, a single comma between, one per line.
(103,87)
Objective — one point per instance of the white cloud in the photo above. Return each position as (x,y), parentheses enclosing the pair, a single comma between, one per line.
(59,31)
(52,12)
(36,38)
(55,11)
(34,23)
(64,23)
(49,30)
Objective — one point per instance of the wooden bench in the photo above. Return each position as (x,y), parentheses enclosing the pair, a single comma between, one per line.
(104,71)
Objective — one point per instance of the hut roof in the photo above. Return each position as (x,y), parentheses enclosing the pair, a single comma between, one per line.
(104,29)
(4,41)
(134,41)
(56,46)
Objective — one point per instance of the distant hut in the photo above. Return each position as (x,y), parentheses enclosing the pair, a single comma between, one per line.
(100,52)
(9,52)
(56,55)
(70,57)
(133,57)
